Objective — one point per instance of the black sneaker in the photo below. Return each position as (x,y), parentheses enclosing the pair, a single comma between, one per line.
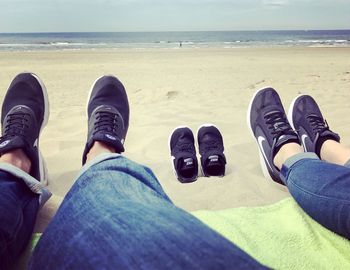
(108,114)
(211,150)
(183,154)
(25,112)
(270,128)
(306,118)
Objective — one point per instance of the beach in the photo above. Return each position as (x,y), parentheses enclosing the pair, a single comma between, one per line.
(172,87)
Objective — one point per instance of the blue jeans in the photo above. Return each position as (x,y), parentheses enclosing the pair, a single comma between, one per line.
(117,216)
(18,209)
(321,189)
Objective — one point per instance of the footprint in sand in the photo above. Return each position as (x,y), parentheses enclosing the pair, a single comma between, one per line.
(255,85)
(315,76)
(171,94)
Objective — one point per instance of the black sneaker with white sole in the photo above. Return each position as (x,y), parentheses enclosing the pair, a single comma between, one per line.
(270,128)
(25,112)
(108,114)
(211,150)
(306,118)
(183,153)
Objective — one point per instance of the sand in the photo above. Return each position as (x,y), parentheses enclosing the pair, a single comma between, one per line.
(168,88)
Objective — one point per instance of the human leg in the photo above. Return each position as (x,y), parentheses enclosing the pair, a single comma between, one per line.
(320,188)
(117,216)
(18,208)
(21,191)
(334,152)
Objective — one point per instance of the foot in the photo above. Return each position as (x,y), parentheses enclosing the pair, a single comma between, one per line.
(108,114)
(211,150)
(270,128)
(25,112)
(306,118)
(183,154)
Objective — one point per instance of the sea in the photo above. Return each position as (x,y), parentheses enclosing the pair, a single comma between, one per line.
(172,40)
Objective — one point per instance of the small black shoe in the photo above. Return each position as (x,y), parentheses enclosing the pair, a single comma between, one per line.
(25,112)
(270,128)
(108,114)
(306,118)
(183,154)
(211,150)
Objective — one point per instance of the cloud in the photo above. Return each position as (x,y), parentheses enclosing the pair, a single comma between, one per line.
(154,15)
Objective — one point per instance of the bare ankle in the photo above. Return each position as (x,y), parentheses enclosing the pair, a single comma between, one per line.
(99,148)
(286,151)
(17,158)
(333,152)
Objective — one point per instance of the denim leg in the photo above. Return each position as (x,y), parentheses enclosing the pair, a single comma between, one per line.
(322,189)
(18,210)
(117,216)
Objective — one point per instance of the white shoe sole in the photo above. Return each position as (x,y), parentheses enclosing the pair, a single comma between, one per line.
(261,157)
(290,111)
(42,164)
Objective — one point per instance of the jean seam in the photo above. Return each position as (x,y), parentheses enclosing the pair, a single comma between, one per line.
(317,195)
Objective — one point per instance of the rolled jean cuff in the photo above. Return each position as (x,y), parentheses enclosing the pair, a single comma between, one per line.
(98,159)
(292,160)
(347,164)
(33,184)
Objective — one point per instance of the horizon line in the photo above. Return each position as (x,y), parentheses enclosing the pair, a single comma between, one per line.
(177,31)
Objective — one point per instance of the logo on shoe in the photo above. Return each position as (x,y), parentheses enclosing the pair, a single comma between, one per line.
(111,137)
(35,143)
(261,139)
(4,143)
(303,139)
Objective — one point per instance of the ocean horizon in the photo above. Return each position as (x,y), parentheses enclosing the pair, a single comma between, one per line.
(173,40)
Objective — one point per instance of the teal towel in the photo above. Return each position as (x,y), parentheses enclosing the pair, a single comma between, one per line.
(281,236)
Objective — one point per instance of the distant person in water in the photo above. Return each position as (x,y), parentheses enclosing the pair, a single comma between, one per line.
(117,216)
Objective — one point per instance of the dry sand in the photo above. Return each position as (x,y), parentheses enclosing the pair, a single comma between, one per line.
(168,88)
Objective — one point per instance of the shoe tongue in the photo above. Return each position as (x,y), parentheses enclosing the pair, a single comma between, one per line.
(9,143)
(287,138)
(282,140)
(214,166)
(17,142)
(110,139)
(187,164)
(213,161)
(327,134)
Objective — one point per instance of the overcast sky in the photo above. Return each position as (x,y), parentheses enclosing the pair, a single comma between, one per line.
(171,15)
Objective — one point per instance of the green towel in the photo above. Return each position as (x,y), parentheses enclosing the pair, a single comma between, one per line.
(21,264)
(281,236)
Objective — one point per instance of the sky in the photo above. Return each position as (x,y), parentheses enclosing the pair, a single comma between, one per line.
(171,15)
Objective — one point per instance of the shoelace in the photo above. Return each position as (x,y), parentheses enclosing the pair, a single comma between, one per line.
(107,121)
(16,124)
(278,124)
(317,123)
